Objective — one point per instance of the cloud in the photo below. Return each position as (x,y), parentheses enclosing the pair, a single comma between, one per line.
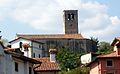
(48,16)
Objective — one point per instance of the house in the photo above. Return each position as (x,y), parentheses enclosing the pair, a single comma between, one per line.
(48,65)
(106,64)
(12,61)
(72,39)
(34,48)
(87,58)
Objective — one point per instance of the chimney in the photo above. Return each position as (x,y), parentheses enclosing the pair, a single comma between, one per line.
(52,55)
(118,48)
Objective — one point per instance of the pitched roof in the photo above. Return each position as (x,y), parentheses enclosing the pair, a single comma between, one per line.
(46,65)
(26,39)
(39,36)
(111,55)
(21,56)
(10,49)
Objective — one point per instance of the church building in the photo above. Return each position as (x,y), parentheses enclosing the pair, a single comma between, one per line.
(71,39)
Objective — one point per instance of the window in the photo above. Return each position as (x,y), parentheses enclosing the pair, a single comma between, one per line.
(20,45)
(40,46)
(34,55)
(39,55)
(72,16)
(16,66)
(69,17)
(30,70)
(109,63)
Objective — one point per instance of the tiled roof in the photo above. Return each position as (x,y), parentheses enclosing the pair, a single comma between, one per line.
(46,65)
(39,36)
(10,49)
(20,56)
(26,39)
(114,54)
(111,55)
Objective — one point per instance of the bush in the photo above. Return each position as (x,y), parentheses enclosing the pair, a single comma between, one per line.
(78,70)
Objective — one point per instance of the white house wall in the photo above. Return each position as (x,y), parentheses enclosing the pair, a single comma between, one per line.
(2,61)
(15,44)
(7,64)
(86,58)
(36,49)
(23,67)
(1,50)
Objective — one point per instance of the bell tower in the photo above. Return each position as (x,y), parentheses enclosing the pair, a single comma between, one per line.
(71,21)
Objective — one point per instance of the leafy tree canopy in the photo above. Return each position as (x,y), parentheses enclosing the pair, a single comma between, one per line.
(78,70)
(104,48)
(67,59)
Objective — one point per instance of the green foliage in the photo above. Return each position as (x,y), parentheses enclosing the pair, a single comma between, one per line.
(104,48)
(95,40)
(79,70)
(67,59)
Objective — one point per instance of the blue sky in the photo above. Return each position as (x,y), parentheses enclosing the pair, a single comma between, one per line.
(97,18)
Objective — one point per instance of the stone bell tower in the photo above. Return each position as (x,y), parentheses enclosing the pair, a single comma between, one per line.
(71,21)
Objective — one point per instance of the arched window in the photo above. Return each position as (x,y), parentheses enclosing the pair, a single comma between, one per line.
(72,16)
(69,18)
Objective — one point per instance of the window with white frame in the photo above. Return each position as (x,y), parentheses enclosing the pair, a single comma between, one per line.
(109,63)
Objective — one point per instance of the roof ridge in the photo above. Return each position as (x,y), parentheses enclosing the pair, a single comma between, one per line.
(39,36)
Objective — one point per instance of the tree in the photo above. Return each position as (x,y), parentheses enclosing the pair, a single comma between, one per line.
(104,48)
(95,40)
(78,70)
(68,60)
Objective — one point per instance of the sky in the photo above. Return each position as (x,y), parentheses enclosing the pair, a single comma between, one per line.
(97,18)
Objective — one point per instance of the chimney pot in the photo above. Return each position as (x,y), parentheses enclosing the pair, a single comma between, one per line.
(52,55)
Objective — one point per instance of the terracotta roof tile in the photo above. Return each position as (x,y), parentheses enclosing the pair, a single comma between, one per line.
(26,39)
(46,65)
(114,54)
(32,36)
(10,49)
(20,56)
(111,55)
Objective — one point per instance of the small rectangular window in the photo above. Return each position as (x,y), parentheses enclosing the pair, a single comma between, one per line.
(16,66)
(20,45)
(34,55)
(30,70)
(109,63)
(39,55)
(40,46)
